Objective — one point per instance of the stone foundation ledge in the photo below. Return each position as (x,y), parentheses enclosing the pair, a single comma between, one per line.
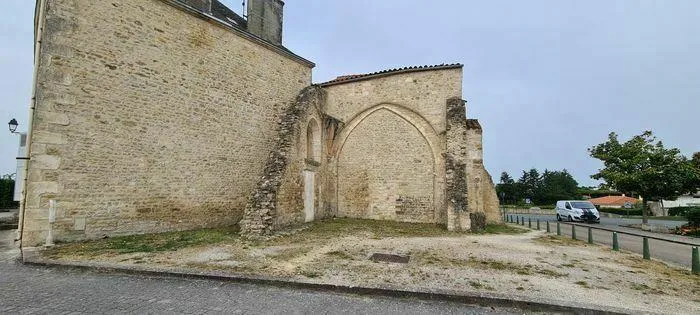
(32,256)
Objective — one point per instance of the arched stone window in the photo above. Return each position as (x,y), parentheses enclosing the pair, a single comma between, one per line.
(313,141)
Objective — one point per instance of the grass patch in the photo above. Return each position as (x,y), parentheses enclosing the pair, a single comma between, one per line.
(310,273)
(552,273)
(583,284)
(430,258)
(503,229)
(338,227)
(378,229)
(559,240)
(478,285)
(340,255)
(145,243)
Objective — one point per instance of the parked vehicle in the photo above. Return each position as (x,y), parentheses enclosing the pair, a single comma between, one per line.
(577,210)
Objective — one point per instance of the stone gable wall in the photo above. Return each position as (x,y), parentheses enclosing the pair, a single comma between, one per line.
(149,119)
(388,159)
(423,92)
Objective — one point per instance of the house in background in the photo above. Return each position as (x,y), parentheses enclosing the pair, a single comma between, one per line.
(614,201)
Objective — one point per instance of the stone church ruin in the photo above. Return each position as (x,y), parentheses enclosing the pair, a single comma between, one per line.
(162,115)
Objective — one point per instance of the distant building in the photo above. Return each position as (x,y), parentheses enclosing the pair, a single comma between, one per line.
(21,161)
(614,201)
(684,201)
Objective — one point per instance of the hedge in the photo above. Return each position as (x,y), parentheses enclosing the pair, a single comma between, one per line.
(693,216)
(680,211)
(621,211)
(7,191)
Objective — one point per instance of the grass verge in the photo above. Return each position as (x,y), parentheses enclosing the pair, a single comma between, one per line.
(145,243)
(317,231)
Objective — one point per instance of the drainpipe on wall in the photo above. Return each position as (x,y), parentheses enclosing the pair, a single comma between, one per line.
(39,30)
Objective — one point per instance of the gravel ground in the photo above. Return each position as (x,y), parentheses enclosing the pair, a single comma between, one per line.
(530,265)
(38,290)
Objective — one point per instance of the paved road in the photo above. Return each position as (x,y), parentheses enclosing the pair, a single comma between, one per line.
(26,289)
(677,254)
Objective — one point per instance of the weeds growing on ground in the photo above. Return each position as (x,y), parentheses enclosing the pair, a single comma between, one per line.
(145,243)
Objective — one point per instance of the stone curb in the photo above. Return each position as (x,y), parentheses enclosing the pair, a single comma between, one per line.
(472,298)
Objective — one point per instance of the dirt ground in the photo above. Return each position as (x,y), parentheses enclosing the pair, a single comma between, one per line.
(531,264)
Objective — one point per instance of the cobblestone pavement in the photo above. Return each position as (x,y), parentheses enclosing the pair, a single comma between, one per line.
(37,290)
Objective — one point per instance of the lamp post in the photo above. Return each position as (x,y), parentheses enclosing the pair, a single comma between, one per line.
(13,125)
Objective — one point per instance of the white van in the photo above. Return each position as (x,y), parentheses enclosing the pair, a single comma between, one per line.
(577,210)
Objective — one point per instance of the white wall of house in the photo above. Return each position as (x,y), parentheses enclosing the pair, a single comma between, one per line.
(684,201)
(19,178)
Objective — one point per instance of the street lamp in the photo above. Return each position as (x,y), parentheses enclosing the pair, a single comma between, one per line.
(13,125)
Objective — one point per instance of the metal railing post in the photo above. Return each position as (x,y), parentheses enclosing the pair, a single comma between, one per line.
(548,227)
(590,236)
(529,223)
(696,261)
(573,231)
(645,248)
(616,244)
(538,224)
(558,229)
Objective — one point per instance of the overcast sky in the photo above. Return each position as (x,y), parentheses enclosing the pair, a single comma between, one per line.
(546,79)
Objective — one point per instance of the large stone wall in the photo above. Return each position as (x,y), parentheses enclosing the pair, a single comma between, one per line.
(149,118)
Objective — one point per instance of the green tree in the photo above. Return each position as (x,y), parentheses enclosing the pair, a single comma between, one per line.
(506,188)
(556,185)
(7,191)
(695,161)
(529,183)
(642,165)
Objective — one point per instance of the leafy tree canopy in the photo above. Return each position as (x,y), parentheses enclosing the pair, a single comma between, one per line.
(644,166)
(544,188)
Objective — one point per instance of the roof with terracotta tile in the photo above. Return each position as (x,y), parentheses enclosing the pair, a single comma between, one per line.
(367,76)
(613,200)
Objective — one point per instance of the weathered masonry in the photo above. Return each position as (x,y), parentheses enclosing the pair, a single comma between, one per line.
(161,115)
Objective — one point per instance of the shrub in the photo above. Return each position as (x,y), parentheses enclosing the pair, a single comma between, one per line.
(7,191)
(680,211)
(621,211)
(478,221)
(693,216)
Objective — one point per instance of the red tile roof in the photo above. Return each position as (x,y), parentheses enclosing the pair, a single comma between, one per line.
(613,200)
(366,76)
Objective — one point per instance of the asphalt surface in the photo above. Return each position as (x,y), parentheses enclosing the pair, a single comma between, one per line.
(673,253)
(37,290)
